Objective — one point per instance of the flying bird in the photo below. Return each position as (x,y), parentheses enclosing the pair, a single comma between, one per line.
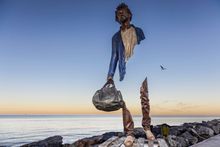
(162,68)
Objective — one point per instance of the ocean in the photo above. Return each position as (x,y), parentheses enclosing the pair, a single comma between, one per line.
(16,130)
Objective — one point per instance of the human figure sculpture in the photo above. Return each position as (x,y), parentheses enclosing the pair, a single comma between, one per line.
(123,43)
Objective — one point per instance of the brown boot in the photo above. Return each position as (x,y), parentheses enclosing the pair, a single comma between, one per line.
(129,141)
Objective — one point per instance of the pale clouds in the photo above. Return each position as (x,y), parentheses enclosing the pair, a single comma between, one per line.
(175,107)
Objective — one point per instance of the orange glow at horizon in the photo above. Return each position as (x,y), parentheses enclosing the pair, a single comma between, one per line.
(155,110)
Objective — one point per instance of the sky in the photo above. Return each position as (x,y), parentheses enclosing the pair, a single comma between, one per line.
(55,54)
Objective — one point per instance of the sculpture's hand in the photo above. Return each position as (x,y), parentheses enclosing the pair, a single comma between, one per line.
(109,78)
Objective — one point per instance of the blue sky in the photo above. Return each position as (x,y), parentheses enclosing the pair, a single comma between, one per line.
(55,54)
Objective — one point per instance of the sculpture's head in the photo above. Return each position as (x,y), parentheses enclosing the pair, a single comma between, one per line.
(123,13)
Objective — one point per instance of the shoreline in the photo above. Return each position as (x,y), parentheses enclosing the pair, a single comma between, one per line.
(185,135)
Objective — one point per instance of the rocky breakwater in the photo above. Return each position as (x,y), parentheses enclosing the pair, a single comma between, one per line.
(183,135)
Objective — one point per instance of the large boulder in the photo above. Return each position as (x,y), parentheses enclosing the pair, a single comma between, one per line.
(54,141)
(176,141)
(203,131)
(189,137)
(91,141)
(195,134)
(177,130)
(214,125)
(139,132)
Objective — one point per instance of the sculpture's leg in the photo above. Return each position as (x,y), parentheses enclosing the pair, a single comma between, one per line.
(127,121)
(146,120)
(128,126)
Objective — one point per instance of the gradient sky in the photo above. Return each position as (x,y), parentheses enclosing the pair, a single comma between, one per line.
(55,54)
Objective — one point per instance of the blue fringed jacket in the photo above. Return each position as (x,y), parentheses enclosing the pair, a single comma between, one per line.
(118,53)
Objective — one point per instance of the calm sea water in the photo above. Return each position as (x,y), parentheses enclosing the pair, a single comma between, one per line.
(16,130)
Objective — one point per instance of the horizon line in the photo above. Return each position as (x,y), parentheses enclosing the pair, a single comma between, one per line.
(135,115)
